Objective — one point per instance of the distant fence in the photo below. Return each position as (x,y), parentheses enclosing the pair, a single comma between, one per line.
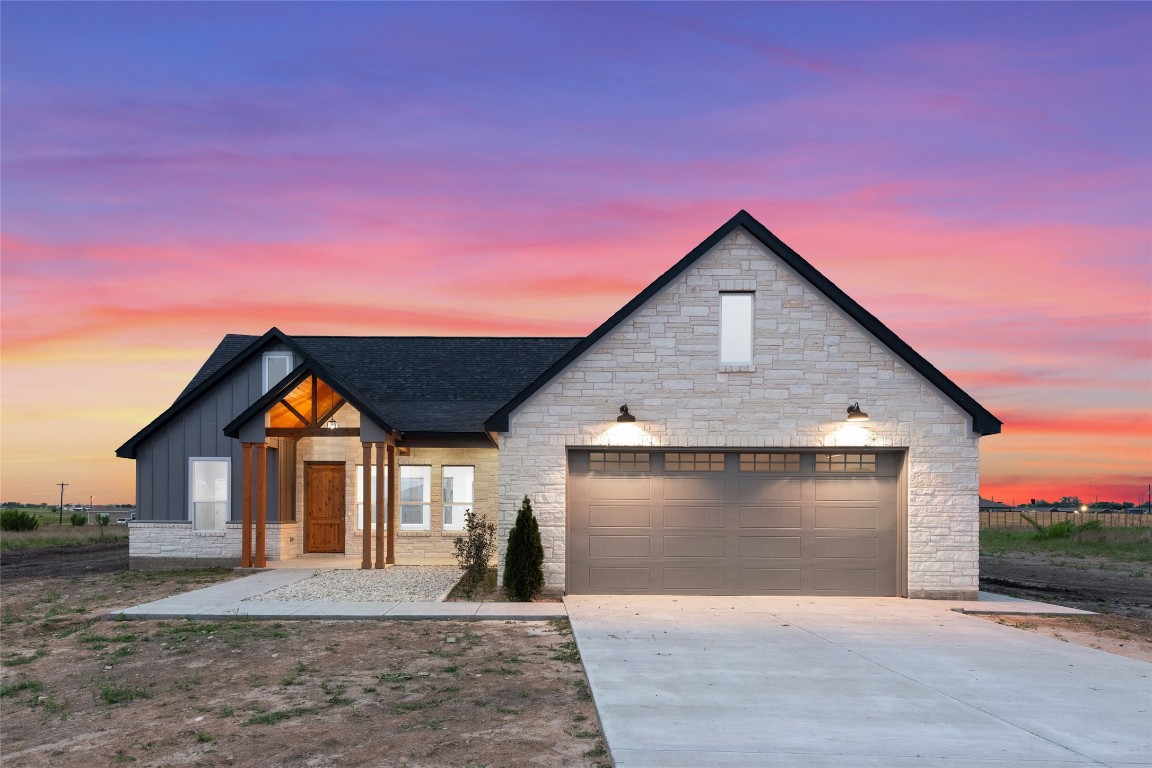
(1013,519)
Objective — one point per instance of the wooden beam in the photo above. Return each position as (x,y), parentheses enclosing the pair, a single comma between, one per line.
(404,450)
(380,514)
(296,413)
(393,483)
(295,432)
(366,493)
(246,507)
(320,422)
(261,511)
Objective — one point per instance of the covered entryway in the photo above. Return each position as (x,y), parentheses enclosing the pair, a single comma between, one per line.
(734,522)
(324,507)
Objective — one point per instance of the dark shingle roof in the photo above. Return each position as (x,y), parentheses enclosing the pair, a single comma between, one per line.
(435,383)
(411,383)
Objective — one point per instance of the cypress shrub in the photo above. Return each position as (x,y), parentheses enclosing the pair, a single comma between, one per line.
(524,561)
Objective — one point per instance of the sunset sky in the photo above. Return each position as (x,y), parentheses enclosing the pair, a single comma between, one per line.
(978,176)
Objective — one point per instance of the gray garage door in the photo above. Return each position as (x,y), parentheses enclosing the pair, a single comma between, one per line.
(732,523)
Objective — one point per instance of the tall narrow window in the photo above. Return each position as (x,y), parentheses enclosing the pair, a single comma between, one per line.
(736,328)
(458,496)
(415,498)
(277,365)
(208,493)
(360,495)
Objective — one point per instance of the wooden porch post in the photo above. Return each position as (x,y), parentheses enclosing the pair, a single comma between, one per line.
(246,507)
(261,511)
(393,483)
(380,520)
(366,562)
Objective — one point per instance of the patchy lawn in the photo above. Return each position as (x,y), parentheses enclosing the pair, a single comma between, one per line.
(78,691)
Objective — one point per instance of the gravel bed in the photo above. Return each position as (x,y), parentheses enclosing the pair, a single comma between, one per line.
(402,583)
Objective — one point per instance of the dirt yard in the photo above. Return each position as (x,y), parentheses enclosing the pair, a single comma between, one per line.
(79,691)
(1120,592)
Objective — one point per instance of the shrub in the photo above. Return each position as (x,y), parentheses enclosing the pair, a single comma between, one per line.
(474,549)
(79,518)
(18,520)
(524,561)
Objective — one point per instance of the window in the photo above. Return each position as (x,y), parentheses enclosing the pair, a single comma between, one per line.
(769,462)
(618,462)
(845,462)
(458,496)
(208,492)
(360,495)
(277,365)
(736,328)
(694,462)
(415,498)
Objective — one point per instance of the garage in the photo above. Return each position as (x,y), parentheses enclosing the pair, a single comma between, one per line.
(733,522)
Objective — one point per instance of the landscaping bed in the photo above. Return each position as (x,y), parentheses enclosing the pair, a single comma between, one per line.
(80,691)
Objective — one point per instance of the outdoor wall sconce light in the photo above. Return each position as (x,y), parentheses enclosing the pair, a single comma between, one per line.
(331,424)
(625,417)
(855,414)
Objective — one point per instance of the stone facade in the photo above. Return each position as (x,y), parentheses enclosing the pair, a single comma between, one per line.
(810,361)
(432,547)
(159,546)
(173,544)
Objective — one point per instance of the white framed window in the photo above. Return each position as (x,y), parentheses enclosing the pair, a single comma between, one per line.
(209,496)
(277,365)
(736,328)
(360,495)
(459,484)
(415,498)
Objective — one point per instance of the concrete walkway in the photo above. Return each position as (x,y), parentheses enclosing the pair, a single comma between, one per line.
(699,682)
(228,601)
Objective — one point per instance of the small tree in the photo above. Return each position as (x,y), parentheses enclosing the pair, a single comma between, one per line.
(473,551)
(524,561)
(102,520)
(78,518)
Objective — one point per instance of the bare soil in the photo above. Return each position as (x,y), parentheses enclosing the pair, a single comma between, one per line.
(76,690)
(1120,592)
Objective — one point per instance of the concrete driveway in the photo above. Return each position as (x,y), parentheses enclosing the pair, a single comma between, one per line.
(692,682)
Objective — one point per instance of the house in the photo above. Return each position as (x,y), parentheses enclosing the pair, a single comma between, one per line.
(741,426)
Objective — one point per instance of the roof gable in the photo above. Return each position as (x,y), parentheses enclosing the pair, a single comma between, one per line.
(983,422)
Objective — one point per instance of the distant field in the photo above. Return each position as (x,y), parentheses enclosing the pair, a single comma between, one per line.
(52,534)
(1108,520)
(1126,544)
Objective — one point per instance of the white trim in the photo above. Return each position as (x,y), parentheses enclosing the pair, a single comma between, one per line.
(192,491)
(728,354)
(267,385)
(425,505)
(459,508)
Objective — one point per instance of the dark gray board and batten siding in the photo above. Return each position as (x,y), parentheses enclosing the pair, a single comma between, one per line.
(162,465)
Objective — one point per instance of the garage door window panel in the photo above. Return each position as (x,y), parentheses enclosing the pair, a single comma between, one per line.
(603,461)
(846,462)
(694,462)
(770,462)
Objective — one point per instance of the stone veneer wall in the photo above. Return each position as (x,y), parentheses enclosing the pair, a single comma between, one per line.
(159,546)
(810,362)
(431,547)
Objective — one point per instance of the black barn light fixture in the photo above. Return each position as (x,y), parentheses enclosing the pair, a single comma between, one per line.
(855,414)
(625,417)
(331,424)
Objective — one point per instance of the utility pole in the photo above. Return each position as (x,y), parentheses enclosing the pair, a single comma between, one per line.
(62,487)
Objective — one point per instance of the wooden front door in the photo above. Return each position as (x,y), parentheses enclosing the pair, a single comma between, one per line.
(324,513)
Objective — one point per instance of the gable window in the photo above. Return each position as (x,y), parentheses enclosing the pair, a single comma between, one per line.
(415,498)
(458,497)
(736,328)
(208,496)
(277,365)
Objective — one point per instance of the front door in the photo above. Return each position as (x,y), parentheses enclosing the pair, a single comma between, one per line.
(324,513)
